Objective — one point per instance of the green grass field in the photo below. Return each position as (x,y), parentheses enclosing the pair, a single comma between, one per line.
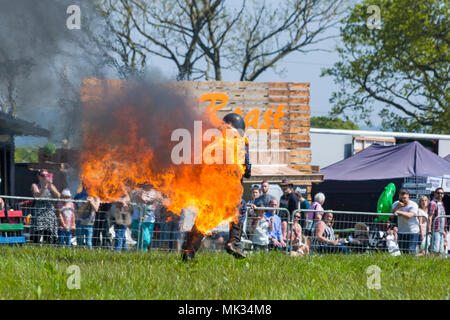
(41,273)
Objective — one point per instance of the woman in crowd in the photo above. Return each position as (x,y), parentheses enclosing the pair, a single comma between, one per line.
(425,241)
(45,222)
(299,248)
(314,217)
(325,239)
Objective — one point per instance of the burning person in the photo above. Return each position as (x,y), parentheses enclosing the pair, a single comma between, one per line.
(194,238)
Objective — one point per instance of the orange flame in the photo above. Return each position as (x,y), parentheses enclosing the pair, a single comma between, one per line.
(110,165)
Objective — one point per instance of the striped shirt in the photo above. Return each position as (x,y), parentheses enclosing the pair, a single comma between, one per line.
(328,233)
(437,209)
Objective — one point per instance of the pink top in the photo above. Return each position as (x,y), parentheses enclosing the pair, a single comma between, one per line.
(314,206)
(67,214)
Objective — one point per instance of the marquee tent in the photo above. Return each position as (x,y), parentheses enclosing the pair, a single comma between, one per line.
(355,183)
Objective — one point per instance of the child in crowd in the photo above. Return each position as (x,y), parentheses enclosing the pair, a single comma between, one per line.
(392,241)
(259,231)
(66,218)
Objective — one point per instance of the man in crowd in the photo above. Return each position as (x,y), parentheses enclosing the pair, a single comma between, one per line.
(289,201)
(265,197)
(435,210)
(408,224)
(275,234)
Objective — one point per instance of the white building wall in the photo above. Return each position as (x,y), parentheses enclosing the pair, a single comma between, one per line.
(327,148)
(444,147)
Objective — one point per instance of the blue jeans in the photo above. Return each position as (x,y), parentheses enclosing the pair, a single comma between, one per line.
(408,242)
(438,242)
(86,235)
(64,237)
(120,239)
(142,235)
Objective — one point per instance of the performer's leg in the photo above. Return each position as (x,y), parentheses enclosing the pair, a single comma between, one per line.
(234,242)
(192,244)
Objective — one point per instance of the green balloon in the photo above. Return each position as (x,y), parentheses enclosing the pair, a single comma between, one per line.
(385,202)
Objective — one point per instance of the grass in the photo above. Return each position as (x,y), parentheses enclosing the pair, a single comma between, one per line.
(41,273)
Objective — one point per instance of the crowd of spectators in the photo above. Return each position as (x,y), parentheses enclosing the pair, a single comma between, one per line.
(141,215)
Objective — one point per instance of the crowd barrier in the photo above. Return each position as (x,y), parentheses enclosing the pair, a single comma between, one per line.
(22,223)
(357,232)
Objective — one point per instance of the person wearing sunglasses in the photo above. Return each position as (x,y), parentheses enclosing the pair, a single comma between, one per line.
(298,247)
(45,223)
(435,210)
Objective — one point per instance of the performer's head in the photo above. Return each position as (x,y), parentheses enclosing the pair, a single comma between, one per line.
(236,121)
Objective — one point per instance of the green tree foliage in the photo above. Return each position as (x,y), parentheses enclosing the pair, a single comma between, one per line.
(26,154)
(332,123)
(404,65)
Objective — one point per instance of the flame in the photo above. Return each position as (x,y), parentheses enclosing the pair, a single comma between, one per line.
(122,159)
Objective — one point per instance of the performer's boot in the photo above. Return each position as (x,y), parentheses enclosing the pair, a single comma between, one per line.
(192,244)
(234,242)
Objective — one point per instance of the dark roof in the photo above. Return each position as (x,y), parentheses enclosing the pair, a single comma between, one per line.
(14,126)
(388,162)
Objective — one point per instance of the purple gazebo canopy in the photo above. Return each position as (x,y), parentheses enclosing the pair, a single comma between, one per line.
(388,162)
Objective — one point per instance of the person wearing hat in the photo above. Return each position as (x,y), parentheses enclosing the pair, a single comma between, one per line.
(288,201)
(66,218)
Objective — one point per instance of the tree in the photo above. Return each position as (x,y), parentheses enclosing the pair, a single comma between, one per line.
(333,123)
(198,34)
(26,154)
(404,65)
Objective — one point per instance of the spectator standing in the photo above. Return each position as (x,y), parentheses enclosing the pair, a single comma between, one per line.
(66,219)
(45,219)
(288,201)
(256,193)
(265,197)
(325,240)
(101,237)
(122,217)
(86,219)
(275,235)
(259,231)
(313,217)
(149,202)
(303,204)
(425,240)
(435,210)
(408,224)
(81,195)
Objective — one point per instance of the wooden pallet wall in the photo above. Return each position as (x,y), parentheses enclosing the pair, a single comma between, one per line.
(247,95)
(293,96)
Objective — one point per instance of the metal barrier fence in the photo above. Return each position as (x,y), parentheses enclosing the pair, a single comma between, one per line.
(40,223)
(358,232)
(350,232)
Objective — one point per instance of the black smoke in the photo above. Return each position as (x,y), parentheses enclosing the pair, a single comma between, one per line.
(42,62)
